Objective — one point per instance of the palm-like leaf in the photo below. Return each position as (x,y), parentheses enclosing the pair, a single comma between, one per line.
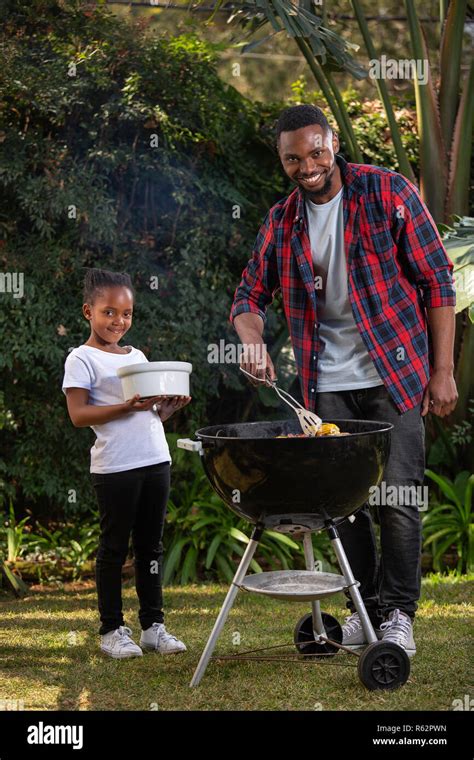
(450,66)
(459,244)
(405,167)
(324,50)
(461,147)
(450,523)
(433,174)
(298,22)
(445,485)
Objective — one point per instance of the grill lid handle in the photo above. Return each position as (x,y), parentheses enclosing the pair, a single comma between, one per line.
(189,444)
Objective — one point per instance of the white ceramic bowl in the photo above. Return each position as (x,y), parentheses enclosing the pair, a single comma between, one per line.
(155,379)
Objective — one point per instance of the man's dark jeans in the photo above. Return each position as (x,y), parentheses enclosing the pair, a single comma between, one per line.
(393,580)
(133,503)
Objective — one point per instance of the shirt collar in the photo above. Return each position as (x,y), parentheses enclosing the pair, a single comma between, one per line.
(351,180)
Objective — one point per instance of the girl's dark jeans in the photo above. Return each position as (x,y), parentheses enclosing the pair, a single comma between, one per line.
(133,503)
(392,580)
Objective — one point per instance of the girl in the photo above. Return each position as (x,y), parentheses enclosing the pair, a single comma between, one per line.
(130,465)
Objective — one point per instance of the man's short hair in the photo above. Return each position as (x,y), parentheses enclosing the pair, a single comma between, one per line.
(296,117)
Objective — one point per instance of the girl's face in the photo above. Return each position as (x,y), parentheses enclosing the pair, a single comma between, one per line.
(110,315)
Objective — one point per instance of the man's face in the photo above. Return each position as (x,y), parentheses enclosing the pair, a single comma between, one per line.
(308,158)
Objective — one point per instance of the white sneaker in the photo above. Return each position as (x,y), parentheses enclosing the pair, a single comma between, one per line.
(353,635)
(119,645)
(399,629)
(157,639)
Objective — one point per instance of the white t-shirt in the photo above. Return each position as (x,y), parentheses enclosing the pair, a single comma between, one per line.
(343,362)
(135,440)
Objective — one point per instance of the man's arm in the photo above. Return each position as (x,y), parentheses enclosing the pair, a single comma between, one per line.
(255,292)
(420,247)
(255,358)
(441,389)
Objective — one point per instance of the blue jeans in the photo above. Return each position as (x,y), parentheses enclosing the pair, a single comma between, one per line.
(393,579)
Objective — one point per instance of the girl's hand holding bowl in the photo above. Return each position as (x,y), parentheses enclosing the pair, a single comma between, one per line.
(168,405)
(165,405)
(137,404)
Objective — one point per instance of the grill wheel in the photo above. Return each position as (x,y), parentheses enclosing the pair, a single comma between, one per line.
(304,637)
(383,666)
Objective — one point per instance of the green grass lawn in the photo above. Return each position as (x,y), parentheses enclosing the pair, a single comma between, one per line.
(49,656)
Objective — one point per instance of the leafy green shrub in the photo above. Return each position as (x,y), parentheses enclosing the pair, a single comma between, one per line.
(206,536)
(453,448)
(14,536)
(124,150)
(449,521)
(206,541)
(65,544)
(203,541)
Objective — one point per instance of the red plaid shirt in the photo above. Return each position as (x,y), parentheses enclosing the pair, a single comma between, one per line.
(396,264)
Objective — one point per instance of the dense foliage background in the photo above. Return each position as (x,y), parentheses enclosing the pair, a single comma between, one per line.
(84,101)
(123,149)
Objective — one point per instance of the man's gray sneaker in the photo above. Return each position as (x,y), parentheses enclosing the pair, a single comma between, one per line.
(119,645)
(353,635)
(399,630)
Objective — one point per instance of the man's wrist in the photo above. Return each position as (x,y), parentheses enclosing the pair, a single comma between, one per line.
(250,336)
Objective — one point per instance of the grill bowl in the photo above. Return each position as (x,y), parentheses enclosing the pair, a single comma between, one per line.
(284,483)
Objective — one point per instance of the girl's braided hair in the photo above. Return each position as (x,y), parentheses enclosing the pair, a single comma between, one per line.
(96,280)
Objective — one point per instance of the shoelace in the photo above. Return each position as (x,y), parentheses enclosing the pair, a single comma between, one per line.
(125,634)
(352,623)
(163,633)
(398,628)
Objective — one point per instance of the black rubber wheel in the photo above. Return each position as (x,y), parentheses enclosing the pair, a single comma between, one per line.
(304,636)
(383,666)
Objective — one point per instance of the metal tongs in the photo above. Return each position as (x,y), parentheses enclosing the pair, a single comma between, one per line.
(309,421)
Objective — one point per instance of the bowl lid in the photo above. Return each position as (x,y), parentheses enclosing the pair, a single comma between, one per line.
(132,369)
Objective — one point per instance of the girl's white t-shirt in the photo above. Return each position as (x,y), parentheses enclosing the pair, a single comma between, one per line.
(135,440)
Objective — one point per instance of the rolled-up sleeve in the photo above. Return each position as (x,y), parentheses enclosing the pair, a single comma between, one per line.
(420,247)
(260,277)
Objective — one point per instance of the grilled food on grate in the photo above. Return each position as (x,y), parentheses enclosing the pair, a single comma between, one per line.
(327,428)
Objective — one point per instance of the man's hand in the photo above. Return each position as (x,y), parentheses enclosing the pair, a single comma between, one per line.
(441,394)
(256,360)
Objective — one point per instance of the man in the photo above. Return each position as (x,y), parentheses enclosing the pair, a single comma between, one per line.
(363,275)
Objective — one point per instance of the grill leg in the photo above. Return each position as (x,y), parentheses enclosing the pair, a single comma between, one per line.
(227,606)
(318,625)
(367,626)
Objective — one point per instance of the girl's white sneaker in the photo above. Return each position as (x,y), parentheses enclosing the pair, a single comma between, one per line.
(157,639)
(119,645)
